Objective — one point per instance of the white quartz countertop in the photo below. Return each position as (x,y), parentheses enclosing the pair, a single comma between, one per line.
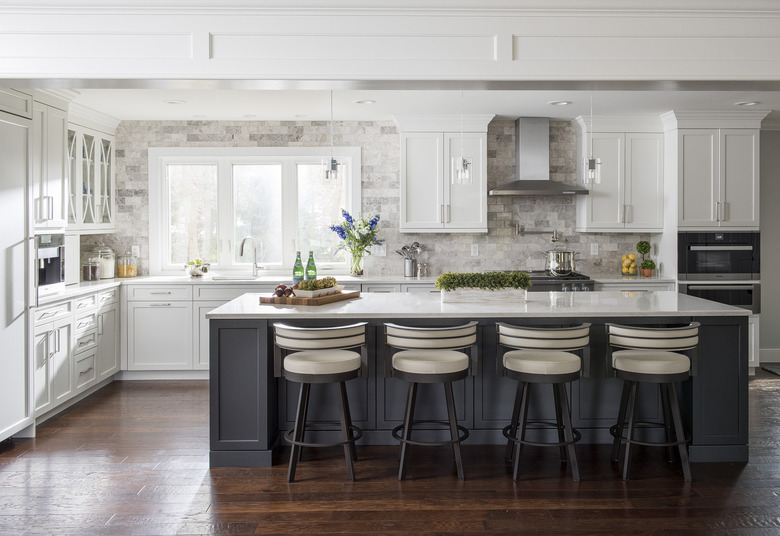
(538,304)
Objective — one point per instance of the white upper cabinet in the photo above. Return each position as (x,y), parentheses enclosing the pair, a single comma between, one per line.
(629,196)
(92,196)
(718,178)
(49,169)
(433,198)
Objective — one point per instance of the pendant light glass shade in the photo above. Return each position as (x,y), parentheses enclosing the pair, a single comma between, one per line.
(591,166)
(461,165)
(331,165)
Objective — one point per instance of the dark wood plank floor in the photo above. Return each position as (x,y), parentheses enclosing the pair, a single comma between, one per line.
(133,459)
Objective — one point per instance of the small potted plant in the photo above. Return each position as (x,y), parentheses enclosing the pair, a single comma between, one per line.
(648,265)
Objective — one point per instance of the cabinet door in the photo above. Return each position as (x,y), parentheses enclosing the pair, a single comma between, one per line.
(465,200)
(107,342)
(644,192)
(201,327)
(603,207)
(49,163)
(104,200)
(53,376)
(422,194)
(739,178)
(698,177)
(159,335)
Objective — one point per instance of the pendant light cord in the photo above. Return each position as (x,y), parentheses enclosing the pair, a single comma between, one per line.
(331,123)
(591,125)
(461,126)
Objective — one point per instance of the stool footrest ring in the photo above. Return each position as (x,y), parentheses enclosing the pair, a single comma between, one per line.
(357,433)
(538,426)
(463,434)
(613,430)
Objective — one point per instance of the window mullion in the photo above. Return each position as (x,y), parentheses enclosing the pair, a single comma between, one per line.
(290,232)
(225,210)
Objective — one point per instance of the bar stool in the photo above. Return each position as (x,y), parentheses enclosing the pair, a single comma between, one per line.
(320,355)
(651,355)
(430,355)
(542,356)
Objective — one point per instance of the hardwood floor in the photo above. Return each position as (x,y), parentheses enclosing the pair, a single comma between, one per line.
(133,459)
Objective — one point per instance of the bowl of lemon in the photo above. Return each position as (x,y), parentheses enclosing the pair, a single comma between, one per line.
(628,264)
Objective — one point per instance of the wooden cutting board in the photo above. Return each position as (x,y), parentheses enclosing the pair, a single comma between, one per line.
(321,300)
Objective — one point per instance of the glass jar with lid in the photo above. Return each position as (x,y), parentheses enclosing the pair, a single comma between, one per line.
(105,255)
(90,270)
(127,265)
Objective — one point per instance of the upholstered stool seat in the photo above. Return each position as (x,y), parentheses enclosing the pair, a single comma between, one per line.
(538,355)
(430,355)
(317,356)
(651,355)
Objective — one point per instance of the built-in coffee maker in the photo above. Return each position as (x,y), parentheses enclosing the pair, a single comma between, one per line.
(50,262)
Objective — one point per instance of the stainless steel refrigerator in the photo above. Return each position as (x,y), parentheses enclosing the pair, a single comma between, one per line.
(16,291)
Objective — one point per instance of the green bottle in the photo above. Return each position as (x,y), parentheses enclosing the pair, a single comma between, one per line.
(311,268)
(297,269)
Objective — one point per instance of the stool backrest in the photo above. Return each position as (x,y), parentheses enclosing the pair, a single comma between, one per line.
(536,338)
(675,339)
(433,338)
(298,339)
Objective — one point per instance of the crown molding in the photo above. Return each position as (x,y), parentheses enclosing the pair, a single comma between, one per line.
(713,119)
(87,117)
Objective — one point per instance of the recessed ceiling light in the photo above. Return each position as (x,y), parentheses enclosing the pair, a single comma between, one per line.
(300,115)
(559,103)
(175,101)
(250,116)
(365,101)
(746,103)
(199,116)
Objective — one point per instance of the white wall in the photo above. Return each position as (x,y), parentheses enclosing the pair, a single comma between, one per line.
(770,246)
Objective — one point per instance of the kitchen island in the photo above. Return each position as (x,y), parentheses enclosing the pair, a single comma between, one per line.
(250,407)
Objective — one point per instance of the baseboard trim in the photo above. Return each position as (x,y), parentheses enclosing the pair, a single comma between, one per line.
(39,419)
(769,355)
(162,375)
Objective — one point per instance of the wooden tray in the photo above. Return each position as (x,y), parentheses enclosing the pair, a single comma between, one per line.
(321,300)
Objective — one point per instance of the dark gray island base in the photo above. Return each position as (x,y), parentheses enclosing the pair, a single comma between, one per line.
(250,408)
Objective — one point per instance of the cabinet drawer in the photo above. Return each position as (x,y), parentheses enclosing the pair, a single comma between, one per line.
(17,103)
(228,292)
(54,312)
(180,293)
(85,303)
(381,288)
(86,322)
(84,370)
(108,297)
(422,287)
(85,341)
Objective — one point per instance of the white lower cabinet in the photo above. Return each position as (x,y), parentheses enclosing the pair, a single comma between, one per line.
(53,381)
(201,326)
(159,335)
(107,356)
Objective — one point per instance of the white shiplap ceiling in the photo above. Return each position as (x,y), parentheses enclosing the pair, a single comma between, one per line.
(314,104)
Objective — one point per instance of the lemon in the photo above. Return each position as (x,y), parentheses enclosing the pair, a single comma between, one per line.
(198,261)
(625,270)
(632,256)
(632,270)
(624,257)
(632,265)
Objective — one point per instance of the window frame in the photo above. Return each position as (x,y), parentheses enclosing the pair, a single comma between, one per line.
(223,158)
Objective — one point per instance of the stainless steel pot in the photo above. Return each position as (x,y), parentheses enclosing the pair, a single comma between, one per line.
(560,262)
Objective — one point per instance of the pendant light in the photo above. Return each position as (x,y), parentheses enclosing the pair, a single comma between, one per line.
(592,165)
(332,165)
(462,173)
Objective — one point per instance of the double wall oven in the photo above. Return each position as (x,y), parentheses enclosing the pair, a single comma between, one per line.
(721,266)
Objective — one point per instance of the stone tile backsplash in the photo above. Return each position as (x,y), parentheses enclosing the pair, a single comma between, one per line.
(499,249)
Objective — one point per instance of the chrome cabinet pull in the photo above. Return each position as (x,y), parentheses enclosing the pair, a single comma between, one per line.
(448,213)
(159,305)
(160,293)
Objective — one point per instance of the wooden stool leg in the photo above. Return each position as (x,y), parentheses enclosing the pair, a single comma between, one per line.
(300,426)
(575,471)
(679,432)
(620,422)
(558,419)
(510,445)
(407,433)
(352,448)
(521,430)
(346,434)
(630,433)
(454,428)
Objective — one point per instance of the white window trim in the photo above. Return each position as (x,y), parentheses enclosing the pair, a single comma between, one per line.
(159,157)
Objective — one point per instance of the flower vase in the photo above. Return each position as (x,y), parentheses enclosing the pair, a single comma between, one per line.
(356,264)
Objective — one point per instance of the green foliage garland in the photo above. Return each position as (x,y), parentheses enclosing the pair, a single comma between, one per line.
(483,280)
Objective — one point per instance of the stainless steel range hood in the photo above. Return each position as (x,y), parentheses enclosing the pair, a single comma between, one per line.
(532,151)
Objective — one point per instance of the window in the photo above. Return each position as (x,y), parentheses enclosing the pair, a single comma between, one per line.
(204,201)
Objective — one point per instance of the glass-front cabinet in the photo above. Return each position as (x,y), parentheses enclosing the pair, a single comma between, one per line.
(92,199)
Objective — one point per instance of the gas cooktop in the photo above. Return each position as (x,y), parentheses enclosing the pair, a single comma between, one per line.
(544,275)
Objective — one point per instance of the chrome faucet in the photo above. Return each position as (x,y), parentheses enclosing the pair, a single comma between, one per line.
(255,266)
